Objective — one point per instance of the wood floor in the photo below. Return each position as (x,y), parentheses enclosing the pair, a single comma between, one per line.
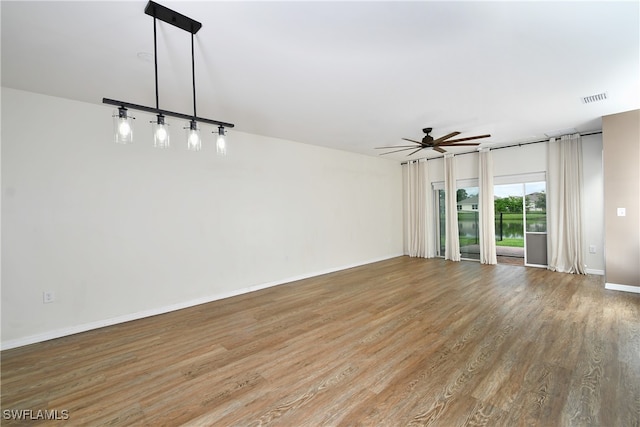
(400,342)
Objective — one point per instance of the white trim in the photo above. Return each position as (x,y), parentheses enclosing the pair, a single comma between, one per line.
(466,183)
(594,271)
(535,265)
(71,330)
(520,178)
(623,288)
(460,183)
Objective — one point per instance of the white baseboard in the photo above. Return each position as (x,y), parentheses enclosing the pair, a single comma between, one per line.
(594,271)
(623,288)
(71,330)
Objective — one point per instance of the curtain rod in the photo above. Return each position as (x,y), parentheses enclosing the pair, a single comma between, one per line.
(498,148)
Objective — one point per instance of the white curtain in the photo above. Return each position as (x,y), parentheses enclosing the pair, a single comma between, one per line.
(419,222)
(452,242)
(564,205)
(485,202)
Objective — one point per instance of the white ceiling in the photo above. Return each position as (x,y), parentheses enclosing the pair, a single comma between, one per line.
(348,75)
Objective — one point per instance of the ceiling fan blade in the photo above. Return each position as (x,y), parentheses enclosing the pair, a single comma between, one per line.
(411,140)
(469,138)
(395,146)
(421,148)
(453,144)
(443,138)
(441,150)
(396,151)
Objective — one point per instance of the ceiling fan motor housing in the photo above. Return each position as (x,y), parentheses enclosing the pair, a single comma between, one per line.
(428,139)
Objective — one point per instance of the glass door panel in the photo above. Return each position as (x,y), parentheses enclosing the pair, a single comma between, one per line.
(441,223)
(508,215)
(468,226)
(508,211)
(535,223)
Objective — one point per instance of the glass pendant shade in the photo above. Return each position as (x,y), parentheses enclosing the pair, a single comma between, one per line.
(194,143)
(160,133)
(221,142)
(123,127)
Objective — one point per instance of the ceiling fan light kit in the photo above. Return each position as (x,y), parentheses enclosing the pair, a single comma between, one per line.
(435,144)
(123,125)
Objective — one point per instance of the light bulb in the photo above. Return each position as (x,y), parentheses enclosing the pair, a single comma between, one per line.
(221,145)
(194,139)
(124,129)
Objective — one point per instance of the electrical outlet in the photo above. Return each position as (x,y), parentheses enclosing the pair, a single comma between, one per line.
(48,296)
(592,249)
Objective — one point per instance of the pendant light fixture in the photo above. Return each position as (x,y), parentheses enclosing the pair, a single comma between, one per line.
(122,126)
(161,136)
(221,142)
(123,129)
(194,143)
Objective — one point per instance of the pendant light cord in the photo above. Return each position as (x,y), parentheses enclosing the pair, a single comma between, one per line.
(155,60)
(193,75)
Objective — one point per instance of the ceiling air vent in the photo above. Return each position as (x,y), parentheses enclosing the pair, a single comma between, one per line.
(594,98)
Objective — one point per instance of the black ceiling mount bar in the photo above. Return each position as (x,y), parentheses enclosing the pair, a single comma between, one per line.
(185,23)
(499,148)
(172,17)
(165,112)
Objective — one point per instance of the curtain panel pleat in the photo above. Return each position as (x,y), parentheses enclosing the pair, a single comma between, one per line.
(564,205)
(419,212)
(486,212)
(452,242)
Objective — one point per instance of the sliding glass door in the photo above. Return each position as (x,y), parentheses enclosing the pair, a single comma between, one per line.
(521,222)
(520,219)
(468,226)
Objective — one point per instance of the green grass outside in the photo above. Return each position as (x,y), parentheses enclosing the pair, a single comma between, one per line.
(506,217)
(466,241)
(513,243)
(519,215)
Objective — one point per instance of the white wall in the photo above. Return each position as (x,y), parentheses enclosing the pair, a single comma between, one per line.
(119,232)
(532,158)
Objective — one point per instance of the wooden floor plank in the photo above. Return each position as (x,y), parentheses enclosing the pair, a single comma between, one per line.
(400,342)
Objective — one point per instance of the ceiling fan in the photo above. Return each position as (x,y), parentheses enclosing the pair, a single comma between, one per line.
(436,144)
